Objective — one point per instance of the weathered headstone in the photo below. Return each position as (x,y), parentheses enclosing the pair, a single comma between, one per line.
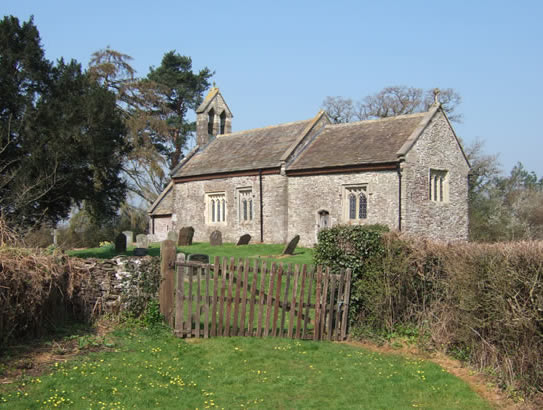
(185,236)
(198,257)
(172,236)
(120,243)
(180,257)
(140,251)
(142,241)
(129,237)
(215,239)
(244,239)
(291,246)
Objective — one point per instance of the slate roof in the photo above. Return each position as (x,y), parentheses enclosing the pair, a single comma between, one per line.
(364,142)
(164,203)
(259,148)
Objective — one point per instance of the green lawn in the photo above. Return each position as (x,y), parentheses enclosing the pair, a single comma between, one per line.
(268,252)
(152,369)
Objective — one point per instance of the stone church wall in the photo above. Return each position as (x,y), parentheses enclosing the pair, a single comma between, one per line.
(310,194)
(435,149)
(190,210)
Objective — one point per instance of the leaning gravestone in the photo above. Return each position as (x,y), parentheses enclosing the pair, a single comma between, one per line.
(215,239)
(120,243)
(185,236)
(291,246)
(244,239)
(142,241)
(198,257)
(172,236)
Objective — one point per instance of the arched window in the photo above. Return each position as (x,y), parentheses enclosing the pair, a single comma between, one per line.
(362,207)
(435,188)
(210,121)
(223,210)
(250,209)
(219,211)
(222,122)
(352,206)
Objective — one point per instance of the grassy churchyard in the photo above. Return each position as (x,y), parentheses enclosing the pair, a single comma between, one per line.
(133,364)
(137,367)
(266,252)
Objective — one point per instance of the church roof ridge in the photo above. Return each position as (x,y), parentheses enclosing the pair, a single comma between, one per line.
(392,118)
(284,124)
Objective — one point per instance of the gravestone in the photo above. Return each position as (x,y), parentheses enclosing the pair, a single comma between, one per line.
(120,243)
(172,236)
(291,246)
(140,251)
(215,239)
(185,236)
(142,241)
(198,257)
(244,239)
(129,237)
(180,258)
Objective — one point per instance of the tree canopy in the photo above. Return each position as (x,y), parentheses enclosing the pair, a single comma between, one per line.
(155,112)
(62,139)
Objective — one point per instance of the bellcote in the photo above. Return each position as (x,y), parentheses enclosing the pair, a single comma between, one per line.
(213,117)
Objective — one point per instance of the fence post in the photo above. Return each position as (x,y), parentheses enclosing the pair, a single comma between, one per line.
(167,280)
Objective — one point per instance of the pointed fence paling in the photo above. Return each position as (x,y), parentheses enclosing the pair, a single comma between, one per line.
(249,298)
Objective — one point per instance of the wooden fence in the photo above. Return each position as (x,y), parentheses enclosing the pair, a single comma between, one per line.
(252,299)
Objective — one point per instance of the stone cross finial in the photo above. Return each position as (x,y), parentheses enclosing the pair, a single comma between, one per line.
(436,95)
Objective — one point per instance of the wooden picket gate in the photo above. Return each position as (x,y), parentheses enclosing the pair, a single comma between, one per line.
(232,299)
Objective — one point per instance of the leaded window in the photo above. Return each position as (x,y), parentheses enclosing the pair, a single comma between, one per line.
(356,202)
(245,204)
(216,207)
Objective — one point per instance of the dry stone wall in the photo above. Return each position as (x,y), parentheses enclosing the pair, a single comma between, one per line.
(105,284)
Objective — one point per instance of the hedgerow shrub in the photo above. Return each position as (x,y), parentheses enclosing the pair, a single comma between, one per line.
(37,290)
(481,302)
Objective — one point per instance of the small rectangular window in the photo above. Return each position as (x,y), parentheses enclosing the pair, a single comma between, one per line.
(438,185)
(245,204)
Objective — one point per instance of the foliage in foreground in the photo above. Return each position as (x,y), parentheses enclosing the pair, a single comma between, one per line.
(480,302)
(150,369)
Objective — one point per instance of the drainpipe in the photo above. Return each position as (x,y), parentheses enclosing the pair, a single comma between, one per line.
(261,207)
(399,198)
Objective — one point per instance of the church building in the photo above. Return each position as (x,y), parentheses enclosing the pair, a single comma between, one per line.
(407,172)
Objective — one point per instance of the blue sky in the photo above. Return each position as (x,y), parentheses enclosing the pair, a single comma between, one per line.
(276,61)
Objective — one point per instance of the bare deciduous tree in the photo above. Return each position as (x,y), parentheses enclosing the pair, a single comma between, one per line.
(391,101)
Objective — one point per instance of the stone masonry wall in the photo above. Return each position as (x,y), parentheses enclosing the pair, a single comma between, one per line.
(189,208)
(307,195)
(438,149)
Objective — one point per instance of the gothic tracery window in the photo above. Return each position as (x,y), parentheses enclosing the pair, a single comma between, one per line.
(216,207)
(245,204)
(356,207)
